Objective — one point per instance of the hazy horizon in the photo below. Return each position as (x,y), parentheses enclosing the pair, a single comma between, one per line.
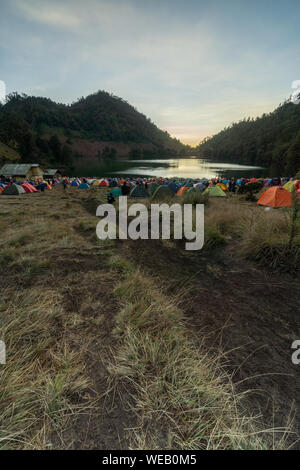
(193,67)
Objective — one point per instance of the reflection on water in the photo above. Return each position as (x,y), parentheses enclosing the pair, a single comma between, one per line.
(186,168)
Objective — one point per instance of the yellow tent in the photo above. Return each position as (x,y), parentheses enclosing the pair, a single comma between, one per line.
(290,186)
(222,186)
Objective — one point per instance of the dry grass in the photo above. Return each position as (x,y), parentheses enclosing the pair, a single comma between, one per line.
(183,398)
(261,235)
(43,376)
(44,382)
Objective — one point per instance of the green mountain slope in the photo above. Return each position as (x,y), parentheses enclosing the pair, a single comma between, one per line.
(7,154)
(92,126)
(272,140)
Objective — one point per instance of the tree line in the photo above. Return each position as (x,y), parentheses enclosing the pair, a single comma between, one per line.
(42,130)
(272,140)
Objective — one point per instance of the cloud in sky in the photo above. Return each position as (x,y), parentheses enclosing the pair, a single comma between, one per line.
(192,66)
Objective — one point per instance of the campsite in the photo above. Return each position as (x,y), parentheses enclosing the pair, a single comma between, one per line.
(106,315)
(150,231)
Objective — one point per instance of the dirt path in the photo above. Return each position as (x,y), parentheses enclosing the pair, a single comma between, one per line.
(254,318)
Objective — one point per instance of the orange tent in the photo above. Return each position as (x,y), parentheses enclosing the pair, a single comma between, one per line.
(182,190)
(254,180)
(275,197)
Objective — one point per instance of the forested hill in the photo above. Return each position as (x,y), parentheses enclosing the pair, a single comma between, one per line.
(272,140)
(101,124)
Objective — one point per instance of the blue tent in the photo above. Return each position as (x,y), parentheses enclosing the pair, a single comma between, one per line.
(174,186)
(83,186)
(41,186)
(200,186)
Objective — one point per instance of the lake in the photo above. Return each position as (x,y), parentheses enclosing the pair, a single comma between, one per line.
(186,167)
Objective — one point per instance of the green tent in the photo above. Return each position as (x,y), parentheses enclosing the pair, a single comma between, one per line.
(13,190)
(290,186)
(214,191)
(139,191)
(162,192)
(152,187)
(116,192)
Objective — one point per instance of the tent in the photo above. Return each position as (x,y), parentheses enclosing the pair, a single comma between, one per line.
(29,188)
(254,180)
(162,192)
(275,197)
(75,183)
(116,192)
(200,186)
(193,191)
(174,186)
(214,191)
(222,186)
(291,185)
(182,190)
(139,191)
(104,183)
(41,186)
(152,187)
(13,190)
(47,184)
(96,183)
(83,186)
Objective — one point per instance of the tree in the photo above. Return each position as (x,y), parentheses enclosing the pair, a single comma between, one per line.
(293,157)
(55,147)
(66,155)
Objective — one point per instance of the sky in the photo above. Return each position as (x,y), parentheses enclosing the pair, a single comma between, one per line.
(192,66)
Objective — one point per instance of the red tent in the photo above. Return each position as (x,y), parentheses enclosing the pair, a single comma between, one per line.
(254,180)
(29,188)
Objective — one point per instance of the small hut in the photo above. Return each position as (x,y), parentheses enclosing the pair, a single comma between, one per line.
(52,173)
(23,171)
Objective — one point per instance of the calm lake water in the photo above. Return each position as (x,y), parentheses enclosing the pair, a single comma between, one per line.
(187,167)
